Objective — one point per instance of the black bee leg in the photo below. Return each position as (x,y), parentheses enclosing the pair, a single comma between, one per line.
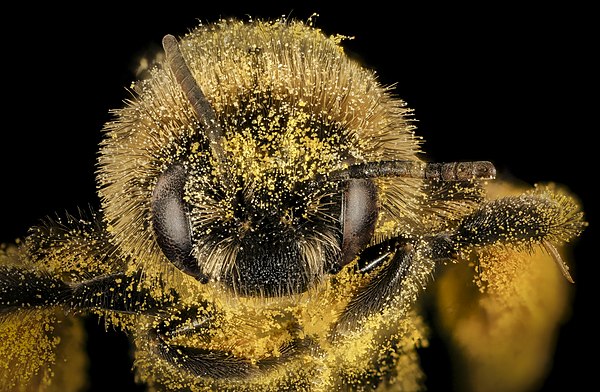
(23,289)
(210,363)
(381,289)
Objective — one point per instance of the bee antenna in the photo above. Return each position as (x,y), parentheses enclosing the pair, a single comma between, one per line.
(452,171)
(202,107)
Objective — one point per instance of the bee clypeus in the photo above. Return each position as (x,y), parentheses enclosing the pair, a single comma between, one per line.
(268,223)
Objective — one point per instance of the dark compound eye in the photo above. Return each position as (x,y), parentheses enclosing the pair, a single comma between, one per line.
(359,215)
(171,223)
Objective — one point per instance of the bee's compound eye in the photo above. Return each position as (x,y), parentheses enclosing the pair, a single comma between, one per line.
(171,222)
(359,215)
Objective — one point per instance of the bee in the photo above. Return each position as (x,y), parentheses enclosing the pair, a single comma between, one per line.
(269,222)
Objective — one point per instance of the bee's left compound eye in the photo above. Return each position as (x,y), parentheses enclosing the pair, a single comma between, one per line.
(359,215)
(171,222)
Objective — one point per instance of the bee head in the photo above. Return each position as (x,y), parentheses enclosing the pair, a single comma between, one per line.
(244,209)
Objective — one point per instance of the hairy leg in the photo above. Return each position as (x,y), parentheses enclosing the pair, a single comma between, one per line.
(541,217)
(181,339)
(23,289)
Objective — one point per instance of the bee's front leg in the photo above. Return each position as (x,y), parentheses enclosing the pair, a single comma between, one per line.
(383,286)
(167,338)
(22,289)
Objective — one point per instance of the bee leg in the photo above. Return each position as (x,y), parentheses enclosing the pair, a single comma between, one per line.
(118,293)
(381,289)
(542,217)
(24,289)
(531,218)
(210,363)
(536,218)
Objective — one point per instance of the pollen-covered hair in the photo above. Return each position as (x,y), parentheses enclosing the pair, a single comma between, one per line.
(291,105)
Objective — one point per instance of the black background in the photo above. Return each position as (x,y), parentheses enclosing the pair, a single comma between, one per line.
(505,84)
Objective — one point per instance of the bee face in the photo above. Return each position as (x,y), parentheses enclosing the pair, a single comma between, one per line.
(256,242)
(243,208)
(263,247)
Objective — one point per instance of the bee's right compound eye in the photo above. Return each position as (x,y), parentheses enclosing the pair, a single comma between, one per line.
(359,215)
(171,222)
